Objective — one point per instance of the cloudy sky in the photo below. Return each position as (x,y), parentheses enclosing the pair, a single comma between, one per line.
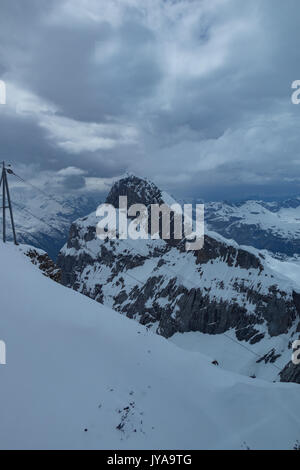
(194,94)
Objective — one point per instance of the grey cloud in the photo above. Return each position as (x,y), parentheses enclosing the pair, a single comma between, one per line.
(73,182)
(65,69)
(195,82)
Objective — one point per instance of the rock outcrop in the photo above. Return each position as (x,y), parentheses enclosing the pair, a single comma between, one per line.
(44,263)
(291,373)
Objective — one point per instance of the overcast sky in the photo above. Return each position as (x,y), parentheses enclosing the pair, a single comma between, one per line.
(194,94)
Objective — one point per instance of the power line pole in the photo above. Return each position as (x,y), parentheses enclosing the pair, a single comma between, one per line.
(6,195)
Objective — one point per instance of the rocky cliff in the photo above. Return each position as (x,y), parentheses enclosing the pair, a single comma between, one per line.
(218,288)
(43,262)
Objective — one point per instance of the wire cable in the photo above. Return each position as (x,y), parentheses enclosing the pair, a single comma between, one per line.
(34,216)
(48,195)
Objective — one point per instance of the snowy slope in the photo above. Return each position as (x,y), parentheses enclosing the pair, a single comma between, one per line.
(74,365)
(236,356)
(274,226)
(289,267)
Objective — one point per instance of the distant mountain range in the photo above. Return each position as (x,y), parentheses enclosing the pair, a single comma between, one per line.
(44,222)
(274,226)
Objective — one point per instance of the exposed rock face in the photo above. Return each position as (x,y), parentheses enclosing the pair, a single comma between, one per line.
(137,190)
(291,373)
(44,263)
(213,290)
(231,255)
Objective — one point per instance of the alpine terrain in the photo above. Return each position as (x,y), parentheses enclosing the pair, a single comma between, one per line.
(224,300)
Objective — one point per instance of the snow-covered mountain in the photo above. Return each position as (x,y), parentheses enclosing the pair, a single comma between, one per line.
(274,226)
(223,289)
(44,222)
(81,376)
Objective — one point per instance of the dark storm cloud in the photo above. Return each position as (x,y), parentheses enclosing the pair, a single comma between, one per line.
(194,94)
(73,182)
(22,140)
(65,70)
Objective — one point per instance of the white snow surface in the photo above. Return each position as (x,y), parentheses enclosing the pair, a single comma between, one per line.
(290,267)
(237,356)
(73,364)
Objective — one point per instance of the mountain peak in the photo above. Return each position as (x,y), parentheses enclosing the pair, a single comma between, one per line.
(138,191)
